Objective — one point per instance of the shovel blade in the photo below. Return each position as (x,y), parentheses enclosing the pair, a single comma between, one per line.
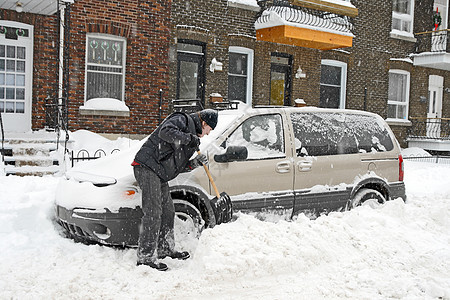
(223,208)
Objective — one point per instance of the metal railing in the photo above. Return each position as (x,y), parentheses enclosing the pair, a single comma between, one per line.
(307,16)
(433,41)
(83,155)
(436,159)
(187,105)
(430,128)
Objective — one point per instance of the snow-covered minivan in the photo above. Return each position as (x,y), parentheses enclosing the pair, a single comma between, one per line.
(271,159)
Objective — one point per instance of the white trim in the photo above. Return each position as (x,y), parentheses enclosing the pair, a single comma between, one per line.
(111,37)
(19,124)
(406,102)
(343,66)
(250,54)
(404,18)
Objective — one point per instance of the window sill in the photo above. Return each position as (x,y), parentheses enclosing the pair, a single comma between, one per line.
(405,36)
(103,112)
(238,4)
(398,122)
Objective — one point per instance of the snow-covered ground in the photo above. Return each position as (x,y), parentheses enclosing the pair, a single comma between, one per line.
(398,251)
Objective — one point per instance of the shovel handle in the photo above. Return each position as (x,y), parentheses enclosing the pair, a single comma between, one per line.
(210,178)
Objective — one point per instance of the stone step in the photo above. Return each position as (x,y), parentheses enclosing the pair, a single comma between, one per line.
(33,153)
(31,170)
(42,161)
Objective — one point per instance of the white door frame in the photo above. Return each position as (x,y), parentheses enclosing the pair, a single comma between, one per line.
(434,113)
(18,122)
(439,39)
(343,87)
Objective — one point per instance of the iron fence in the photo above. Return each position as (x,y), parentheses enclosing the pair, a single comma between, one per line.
(430,128)
(83,155)
(437,159)
(307,16)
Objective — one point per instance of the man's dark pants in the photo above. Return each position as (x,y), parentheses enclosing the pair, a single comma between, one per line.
(156,232)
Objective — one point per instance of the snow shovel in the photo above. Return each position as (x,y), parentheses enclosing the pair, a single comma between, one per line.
(221,204)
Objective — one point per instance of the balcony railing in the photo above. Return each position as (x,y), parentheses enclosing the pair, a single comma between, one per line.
(430,128)
(306,16)
(433,41)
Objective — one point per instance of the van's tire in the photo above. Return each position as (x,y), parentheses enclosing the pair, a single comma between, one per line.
(187,212)
(366,194)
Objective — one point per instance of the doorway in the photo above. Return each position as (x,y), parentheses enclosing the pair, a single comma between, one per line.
(280,79)
(16,74)
(434,114)
(190,72)
(439,38)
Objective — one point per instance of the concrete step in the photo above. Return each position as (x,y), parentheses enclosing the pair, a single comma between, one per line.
(31,170)
(40,161)
(33,153)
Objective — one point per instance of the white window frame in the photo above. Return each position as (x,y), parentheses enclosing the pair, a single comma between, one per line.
(113,38)
(402,103)
(250,58)
(343,66)
(404,18)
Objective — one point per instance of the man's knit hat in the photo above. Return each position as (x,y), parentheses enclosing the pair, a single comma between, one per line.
(209,116)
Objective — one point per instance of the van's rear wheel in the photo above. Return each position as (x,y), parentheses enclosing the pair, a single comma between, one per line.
(366,196)
(191,219)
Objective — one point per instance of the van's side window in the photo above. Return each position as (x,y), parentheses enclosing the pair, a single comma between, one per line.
(262,135)
(318,134)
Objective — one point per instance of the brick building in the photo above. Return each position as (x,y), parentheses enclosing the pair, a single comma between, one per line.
(382,56)
(379,72)
(108,78)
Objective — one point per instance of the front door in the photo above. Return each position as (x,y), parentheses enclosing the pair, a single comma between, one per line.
(16,61)
(280,80)
(190,72)
(439,38)
(264,180)
(435,91)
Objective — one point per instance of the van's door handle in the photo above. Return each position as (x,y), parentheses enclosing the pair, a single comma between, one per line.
(304,166)
(283,167)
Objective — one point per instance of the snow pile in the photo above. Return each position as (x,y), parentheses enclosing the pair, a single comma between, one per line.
(414,152)
(397,251)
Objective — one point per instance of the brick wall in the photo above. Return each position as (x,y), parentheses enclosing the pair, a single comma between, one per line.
(146,26)
(220,26)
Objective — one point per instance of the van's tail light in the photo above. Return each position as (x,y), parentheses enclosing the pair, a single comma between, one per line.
(401,168)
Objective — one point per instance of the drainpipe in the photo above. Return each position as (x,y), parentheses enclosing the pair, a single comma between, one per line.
(61,56)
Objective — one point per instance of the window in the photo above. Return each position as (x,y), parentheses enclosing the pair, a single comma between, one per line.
(321,134)
(190,68)
(398,95)
(333,80)
(262,136)
(402,16)
(105,67)
(240,74)
(280,79)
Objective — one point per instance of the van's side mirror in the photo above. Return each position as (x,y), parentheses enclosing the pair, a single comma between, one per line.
(233,153)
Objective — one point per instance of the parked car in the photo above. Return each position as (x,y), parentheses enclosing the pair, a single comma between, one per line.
(266,159)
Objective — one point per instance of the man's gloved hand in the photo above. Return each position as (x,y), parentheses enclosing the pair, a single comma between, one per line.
(199,160)
(195,142)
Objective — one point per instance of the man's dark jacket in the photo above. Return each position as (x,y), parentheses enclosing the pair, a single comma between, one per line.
(166,151)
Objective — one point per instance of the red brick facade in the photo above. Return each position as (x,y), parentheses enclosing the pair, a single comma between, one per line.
(146,27)
(153,28)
